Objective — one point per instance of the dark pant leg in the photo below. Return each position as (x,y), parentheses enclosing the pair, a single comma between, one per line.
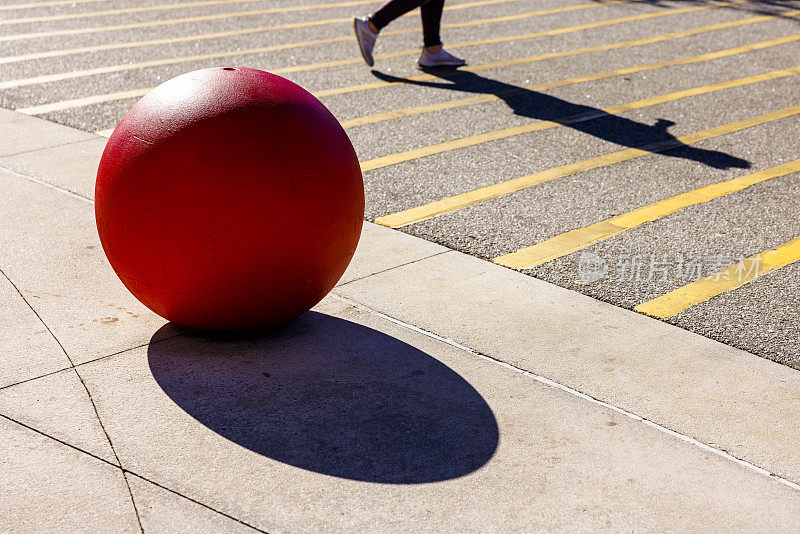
(431,21)
(392,10)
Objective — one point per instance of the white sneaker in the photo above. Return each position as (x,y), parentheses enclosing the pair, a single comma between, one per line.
(366,38)
(442,58)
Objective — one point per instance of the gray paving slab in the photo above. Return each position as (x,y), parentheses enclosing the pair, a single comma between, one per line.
(27,348)
(161,510)
(681,380)
(380,249)
(22,133)
(59,406)
(335,422)
(229,423)
(76,292)
(72,167)
(720,232)
(48,487)
(71,286)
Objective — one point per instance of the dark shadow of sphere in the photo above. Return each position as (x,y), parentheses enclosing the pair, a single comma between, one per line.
(334,397)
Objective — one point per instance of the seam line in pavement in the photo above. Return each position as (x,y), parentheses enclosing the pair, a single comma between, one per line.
(61,441)
(127,471)
(571,391)
(179,494)
(86,388)
(394,267)
(46,148)
(117,353)
(48,185)
(93,360)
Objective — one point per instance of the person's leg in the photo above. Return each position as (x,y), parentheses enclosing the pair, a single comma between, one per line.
(392,10)
(367,28)
(431,12)
(433,55)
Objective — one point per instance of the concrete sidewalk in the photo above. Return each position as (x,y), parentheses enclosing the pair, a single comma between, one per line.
(431,391)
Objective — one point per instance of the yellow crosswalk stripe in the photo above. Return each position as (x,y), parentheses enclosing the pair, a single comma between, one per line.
(231,33)
(496,135)
(578,239)
(428,108)
(108,69)
(551,55)
(169,40)
(165,7)
(200,18)
(53,3)
(81,102)
(456,202)
(735,276)
(475,100)
(469,101)
(132,93)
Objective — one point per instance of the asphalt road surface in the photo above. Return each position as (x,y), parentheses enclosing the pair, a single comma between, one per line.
(542,154)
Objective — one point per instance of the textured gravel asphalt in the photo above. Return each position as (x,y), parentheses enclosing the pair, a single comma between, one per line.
(762,316)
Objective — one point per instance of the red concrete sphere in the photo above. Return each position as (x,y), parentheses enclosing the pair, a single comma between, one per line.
(229,198)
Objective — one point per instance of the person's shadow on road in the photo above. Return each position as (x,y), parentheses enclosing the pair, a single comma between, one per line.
(593,121)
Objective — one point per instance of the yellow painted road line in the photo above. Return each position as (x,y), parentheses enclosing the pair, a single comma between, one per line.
(475,100)
(121,95)
(472,140)
(169,40)
(53,3)
(232,33)
(81,102)
(180,5)
(54,77)
(542,57)
(427,108)
(135,25)
(456,202)
(186,20)
(61,76)
(735,276)
(578,239)
(294,25)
